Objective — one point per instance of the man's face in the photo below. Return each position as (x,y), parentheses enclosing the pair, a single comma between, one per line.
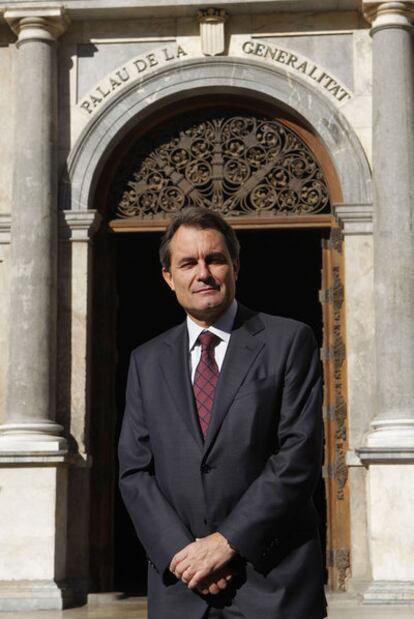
(202,273)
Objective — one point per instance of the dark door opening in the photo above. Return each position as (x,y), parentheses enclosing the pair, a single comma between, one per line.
(280,274)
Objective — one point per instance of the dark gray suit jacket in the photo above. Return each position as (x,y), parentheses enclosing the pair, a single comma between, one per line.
(252,479)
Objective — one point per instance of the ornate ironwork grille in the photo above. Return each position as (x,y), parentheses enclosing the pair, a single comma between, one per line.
(235,164)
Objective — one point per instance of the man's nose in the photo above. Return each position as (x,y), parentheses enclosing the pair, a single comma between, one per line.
(203,271)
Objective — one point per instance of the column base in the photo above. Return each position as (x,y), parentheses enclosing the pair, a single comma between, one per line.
(389,592)
(390,516)
(394,433)
(33,532)
(33,437)
(27,595)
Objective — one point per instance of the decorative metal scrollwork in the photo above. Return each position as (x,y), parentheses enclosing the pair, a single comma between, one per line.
(237,165)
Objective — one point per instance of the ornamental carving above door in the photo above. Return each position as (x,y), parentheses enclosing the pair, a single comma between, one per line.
(236,163)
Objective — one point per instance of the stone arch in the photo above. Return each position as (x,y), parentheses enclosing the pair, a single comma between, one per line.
(214,76)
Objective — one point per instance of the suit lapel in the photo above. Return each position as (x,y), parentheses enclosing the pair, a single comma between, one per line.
(242,351)
(176,371)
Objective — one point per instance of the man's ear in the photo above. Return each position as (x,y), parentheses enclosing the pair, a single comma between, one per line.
(168,278)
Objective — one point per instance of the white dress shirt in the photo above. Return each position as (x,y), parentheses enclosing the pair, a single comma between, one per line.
(222,328)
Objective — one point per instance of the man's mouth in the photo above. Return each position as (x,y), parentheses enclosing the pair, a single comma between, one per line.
(207,289)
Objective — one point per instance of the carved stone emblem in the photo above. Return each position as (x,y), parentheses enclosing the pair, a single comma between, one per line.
(212,31)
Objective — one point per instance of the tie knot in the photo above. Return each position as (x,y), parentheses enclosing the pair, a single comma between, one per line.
(208,340)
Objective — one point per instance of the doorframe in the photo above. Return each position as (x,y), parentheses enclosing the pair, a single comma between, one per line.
(333,357)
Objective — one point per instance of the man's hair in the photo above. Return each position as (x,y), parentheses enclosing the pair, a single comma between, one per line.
(203,219)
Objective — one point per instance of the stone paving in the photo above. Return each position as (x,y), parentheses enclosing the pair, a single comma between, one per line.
(135,608)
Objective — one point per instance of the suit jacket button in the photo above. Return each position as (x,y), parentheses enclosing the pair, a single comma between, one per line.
(205,468)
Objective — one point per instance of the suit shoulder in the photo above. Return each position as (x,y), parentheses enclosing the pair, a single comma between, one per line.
(288,325)
(256,320)
(153,345)
(280,327)
(288,330)
(292,338)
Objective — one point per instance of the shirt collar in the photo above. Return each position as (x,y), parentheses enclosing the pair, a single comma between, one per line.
(222,327)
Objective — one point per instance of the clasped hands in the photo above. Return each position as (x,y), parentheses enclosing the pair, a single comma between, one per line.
(203,564)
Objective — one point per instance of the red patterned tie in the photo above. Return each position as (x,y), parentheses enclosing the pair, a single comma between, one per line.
(205,379)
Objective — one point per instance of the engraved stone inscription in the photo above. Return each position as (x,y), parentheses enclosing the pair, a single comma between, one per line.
(140,66)
(137,67)
(298,64)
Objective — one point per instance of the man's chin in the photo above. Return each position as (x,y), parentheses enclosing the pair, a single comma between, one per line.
(210,304)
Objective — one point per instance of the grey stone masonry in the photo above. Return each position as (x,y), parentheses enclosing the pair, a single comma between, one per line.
(29,423)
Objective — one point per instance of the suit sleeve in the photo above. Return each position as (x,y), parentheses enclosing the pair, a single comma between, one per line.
(156,522)
(289,477)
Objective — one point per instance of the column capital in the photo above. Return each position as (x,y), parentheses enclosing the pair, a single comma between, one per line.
(46,24)
(354,218)
(79,225)
(389,14)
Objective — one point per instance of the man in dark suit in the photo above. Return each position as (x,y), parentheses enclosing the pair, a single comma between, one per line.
(221,445)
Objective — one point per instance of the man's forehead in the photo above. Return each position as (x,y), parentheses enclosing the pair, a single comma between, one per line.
(192,235)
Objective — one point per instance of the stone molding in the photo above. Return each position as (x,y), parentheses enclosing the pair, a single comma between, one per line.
(354,218)
(384,15)
(352,458)
(389,592)
(79,225)
(5,227)
(382,455)
(37,459)
(37,23)
(365,456)
(212,33)
(32,595)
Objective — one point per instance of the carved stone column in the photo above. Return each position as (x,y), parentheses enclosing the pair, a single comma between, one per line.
(30,413)
(389,450)
(393,161)
(44,507)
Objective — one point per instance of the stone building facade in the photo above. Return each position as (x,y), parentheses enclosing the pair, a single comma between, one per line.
(292,117)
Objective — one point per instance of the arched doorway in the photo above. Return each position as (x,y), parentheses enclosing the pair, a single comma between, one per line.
(270,176)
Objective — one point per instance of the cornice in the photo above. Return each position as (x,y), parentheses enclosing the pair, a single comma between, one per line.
(128,9)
